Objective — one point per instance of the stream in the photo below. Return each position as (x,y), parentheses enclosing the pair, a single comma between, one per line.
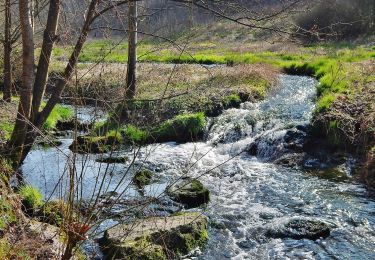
(248,193)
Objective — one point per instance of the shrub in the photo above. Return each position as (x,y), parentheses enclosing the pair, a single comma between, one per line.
(32,199)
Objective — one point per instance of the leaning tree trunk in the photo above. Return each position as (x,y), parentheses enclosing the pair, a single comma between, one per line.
(49,39)
(7,93)
(17,139)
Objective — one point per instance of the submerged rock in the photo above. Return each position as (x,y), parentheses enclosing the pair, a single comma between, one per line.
(189,192)
(156,238)
(299,228)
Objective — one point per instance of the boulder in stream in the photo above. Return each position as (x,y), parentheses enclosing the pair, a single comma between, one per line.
(299,228)
(95,145)
(156,238)
(143,178)
(112,159)
(189,192)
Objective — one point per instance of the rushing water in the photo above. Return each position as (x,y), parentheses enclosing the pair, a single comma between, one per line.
(249,193)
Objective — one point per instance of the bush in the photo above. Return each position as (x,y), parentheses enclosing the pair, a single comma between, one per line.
(32,199)
(182,128)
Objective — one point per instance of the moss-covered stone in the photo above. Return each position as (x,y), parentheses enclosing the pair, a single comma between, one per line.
(143,178)
(111,159)
(182,128)
(99,144)
(156,238)
(190,192)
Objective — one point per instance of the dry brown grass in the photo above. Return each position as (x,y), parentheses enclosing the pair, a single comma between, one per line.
(106,81)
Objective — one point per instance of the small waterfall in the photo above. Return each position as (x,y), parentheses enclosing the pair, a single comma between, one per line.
(267,122)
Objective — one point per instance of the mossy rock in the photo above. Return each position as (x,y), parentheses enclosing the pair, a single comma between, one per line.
(189,192)
(111,159)
(182,128)
(95,145)
(143,178)
(156,238)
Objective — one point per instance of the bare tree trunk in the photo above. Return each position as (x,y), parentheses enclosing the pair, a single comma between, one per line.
(7,93)
(131,73)
(132,51)
(17,139)
(49,39)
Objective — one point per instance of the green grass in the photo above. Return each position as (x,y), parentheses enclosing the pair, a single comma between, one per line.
(8,251)
(32,199)
(182,128)
(59,113)
(7,214)
(7,129)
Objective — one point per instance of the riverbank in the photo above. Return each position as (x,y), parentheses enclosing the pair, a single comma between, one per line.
(21,237)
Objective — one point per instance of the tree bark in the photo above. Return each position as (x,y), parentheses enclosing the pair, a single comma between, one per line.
(131,73)
(7,93)
(132,50)
(17,139)
(49,38)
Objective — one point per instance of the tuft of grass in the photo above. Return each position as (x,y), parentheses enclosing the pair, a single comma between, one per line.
(59,113)
(325,103)
(182,128)
(31,197)
(232,100)
(134,135)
